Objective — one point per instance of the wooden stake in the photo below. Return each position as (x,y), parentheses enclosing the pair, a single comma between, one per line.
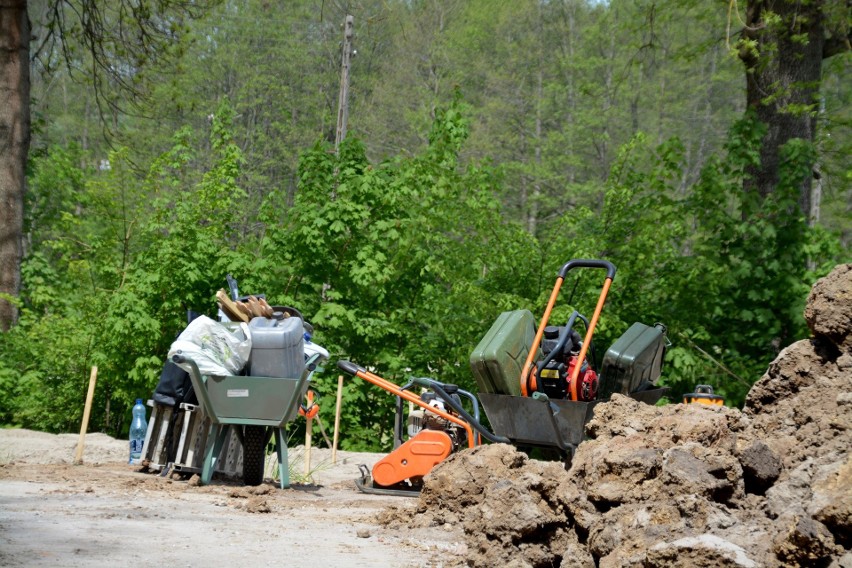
(78,458)
(308,433)
(337,419)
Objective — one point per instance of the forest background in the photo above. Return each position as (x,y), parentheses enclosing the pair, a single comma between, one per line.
(488,144)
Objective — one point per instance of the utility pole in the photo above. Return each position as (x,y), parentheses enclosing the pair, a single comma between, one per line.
(343,100)
(342,109)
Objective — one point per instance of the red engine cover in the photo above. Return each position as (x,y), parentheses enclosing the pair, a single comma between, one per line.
(588,381)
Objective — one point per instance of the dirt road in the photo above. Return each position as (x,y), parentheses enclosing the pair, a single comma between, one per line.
(107,513)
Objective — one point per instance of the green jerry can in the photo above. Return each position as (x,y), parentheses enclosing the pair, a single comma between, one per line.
(634,361)
(497,361)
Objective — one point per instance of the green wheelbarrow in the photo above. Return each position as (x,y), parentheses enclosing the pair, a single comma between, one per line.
(255,408)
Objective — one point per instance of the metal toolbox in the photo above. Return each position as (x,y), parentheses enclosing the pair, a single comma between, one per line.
(177,437)
(497,361)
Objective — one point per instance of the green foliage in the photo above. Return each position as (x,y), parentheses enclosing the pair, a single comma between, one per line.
(401,266)
(43,371)
(563,149)
(388,259)
(112,284)
(725,271)
(747,270)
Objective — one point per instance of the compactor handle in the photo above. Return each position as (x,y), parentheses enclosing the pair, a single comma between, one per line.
(528,380)
(473,421)
(350,367)
(588,263)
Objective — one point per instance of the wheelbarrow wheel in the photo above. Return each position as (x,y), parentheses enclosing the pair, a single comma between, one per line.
(254,454)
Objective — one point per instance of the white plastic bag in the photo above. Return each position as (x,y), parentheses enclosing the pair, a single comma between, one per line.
(213,347)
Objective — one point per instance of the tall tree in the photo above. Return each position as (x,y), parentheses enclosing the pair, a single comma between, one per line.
(117,39)
(14,146)
(401,74)
(783,45)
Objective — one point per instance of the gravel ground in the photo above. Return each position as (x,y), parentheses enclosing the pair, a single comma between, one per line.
(105,512)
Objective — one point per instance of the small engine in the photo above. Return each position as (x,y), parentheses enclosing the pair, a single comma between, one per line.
(561,348)
(423,420)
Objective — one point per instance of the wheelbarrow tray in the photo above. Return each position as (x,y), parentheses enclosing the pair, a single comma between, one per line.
(250,400)
(550,423)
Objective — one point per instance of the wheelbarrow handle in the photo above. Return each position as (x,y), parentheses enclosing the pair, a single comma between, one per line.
(179,359)
(197,385)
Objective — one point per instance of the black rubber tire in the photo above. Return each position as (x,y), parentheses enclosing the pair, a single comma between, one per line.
(254,454)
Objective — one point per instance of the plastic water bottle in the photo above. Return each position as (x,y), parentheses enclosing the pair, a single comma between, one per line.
(138,429)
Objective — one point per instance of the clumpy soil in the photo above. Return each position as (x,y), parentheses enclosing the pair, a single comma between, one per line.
(677,485)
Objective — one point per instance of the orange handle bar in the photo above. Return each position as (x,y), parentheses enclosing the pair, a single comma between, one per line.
(528,379)
(587,340)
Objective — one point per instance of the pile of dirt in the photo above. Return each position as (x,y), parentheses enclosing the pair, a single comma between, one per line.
(679,485)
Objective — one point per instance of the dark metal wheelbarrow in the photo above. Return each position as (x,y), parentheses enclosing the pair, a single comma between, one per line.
(255,408)
(539,422)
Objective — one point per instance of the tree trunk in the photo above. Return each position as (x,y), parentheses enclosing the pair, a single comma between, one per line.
(14,146)
(783,73)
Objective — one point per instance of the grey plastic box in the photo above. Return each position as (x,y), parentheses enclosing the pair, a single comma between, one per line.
(277,348)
